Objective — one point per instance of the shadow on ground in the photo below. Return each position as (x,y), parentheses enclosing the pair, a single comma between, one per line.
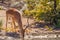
(13,34)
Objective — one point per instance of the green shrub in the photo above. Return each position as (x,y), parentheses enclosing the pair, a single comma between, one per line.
(1,25)
(49,28)
(1,8)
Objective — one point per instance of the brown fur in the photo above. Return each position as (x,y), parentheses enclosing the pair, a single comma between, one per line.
(16,17)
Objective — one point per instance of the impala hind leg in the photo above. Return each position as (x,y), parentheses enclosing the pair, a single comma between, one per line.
(13,20)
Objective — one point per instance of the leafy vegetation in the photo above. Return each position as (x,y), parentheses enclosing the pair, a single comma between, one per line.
(43,10)
(1,25)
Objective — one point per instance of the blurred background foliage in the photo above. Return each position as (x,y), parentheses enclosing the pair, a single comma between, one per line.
(43,10)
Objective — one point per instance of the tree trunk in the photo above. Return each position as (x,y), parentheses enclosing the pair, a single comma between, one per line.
(55,19)
(55,6)
(21,29)
(22,35)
